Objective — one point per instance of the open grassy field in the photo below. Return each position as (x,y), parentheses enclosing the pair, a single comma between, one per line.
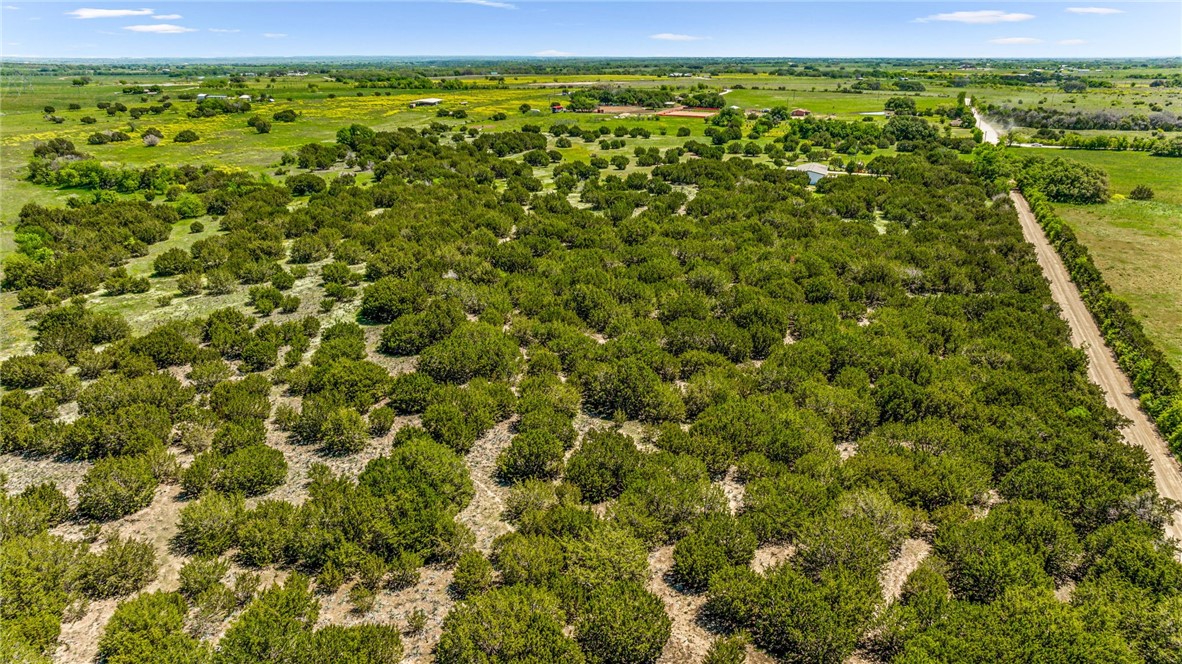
(1137,244)
(325,106)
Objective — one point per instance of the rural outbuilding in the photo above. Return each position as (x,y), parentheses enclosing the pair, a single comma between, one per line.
(815,171)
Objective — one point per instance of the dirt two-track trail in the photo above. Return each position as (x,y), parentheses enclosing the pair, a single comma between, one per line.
(1102,367)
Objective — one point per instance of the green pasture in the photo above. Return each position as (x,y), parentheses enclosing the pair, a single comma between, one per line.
(1137,244)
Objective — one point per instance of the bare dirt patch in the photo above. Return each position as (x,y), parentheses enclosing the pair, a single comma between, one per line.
(690,636)
(733,489)
(770,555)
(483,514)
(895,573)
(430,595)
(24,471)
(156,524)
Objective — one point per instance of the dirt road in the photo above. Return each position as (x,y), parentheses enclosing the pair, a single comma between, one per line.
(990,134)
(1102,367)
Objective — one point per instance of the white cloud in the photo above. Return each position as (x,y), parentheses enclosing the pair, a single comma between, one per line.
(274,35)
(1093,10)
(670,36)
(984,16)
(551,53)
(166,17)
(89,12)
(1015,40)
(487,3)
(160,28)
(224,30)
(11,7)
(1071,42)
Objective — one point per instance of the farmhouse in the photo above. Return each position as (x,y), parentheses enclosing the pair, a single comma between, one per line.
(429,101)
(801,113)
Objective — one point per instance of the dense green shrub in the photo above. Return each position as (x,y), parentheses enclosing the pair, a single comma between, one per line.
(252,471)
(37,508)
(121,568)
(606,555)
(1064,180)
(302,184)
(513,624)
(666,496)
(34,577)
(29,371)
(547,421)
(410,333)
(531,455)
(532,559)
(633,388)
(388,298)
(623,622)
(275,627)
(200,574)
(380,421)
(471,350)
(344,432)
(115,487)
(719,541)
(420,466)
(264,533)
(1141,193)
(473,575)
(602,465)
(151,627)
(410,393)
(827,618)
(207,525)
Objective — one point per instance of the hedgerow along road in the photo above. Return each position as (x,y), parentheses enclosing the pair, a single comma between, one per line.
(1102,367)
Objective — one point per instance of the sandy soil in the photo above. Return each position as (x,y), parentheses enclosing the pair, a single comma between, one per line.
(156,524)
(483,514)
(1102,367)
(895,573)
(691,635)
(24,471)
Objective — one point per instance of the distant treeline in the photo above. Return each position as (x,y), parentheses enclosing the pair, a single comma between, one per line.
(1053,118)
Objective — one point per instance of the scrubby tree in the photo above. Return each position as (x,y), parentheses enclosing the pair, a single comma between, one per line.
(513,624)
(115,487)
(623,622)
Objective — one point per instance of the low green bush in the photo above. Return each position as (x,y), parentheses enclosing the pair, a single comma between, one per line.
(208,525)
(531,455)
(115,487)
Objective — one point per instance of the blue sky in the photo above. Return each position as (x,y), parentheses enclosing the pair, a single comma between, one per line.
(820,28)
